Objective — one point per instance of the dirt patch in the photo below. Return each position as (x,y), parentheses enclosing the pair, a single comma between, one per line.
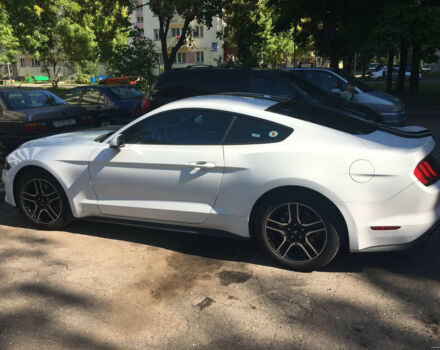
(229,277)
(185,271)
(205,303)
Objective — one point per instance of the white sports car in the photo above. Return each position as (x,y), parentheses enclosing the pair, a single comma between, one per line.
(302,182)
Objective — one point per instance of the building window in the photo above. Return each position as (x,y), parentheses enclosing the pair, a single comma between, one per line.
(141,31)
(198,32)
(140,19)
(156,34)
(176,32)
(35,63)
(180,57)
(200,57)
(22,62)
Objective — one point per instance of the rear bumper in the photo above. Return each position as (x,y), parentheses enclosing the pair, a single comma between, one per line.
(434,229)
(415,210)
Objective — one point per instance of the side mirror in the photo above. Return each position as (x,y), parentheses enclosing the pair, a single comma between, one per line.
(118,141)
(336,91)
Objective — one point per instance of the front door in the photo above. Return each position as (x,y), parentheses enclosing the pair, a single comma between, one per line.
(170,169)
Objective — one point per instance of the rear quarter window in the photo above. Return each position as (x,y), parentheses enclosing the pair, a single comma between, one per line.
(247,130)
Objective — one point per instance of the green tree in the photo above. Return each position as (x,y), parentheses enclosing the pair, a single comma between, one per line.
(137,58)
(57,31)
(201,11)
(8,40)
(250,31)
(335,29)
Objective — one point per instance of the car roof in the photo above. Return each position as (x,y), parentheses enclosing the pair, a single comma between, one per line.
(232,102)
(16,88)
(103,86)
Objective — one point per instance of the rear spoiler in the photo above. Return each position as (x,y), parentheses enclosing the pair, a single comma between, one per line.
(406,132)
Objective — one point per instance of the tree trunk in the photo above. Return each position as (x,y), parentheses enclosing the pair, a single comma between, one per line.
(348,62)
(414,79)
(400,85)
(364,69)
(164,25)
(390,70)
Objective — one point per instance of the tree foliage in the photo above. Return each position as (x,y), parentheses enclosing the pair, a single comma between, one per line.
(8,41)
(135,59)
(187,11)
(250,32)
(57,31)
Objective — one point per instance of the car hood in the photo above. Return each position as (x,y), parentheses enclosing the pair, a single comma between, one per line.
(338,104)
(72,138)
(384,96)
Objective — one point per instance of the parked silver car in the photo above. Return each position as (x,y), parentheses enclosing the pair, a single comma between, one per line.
(335,81)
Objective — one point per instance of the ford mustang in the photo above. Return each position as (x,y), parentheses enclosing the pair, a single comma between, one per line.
(304,182)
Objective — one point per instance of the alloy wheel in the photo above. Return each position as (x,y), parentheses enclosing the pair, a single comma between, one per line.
(41,201)
(295,232)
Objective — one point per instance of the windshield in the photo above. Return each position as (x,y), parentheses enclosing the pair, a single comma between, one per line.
(358,83)
(17,99)
(303,84)
(126,92)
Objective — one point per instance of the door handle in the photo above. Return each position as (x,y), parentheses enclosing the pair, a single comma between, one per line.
(202,164)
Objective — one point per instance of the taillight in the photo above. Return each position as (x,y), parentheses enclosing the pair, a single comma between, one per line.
(145,105)
(35,126)
(426,171)
(87,119)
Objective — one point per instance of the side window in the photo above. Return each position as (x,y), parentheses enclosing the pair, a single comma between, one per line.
(181,127)
(91,97)
(265,86)
(73,98)
(329,81)
(15,100)
(246,130)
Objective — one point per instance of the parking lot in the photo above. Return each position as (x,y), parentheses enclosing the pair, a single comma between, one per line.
(98,286)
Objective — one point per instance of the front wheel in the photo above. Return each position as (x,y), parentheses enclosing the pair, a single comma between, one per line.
(42,200)
(297,232)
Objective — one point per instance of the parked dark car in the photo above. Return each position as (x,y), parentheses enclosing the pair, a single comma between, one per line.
(109,104)
(30,113)
(181,83)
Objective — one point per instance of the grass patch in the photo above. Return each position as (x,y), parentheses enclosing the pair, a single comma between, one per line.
(429,92)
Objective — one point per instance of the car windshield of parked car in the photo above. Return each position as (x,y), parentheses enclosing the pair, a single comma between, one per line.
(30,99)
(126,93)
(303,84)
(358,83)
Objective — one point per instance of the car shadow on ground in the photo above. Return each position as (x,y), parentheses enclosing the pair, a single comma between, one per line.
(422,261)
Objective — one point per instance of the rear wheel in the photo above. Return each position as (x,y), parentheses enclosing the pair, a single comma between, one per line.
(298,232)
(42,200)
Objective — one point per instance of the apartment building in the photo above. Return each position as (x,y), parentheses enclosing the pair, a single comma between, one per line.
(203,48)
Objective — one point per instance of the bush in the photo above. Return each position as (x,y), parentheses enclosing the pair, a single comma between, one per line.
(82,78)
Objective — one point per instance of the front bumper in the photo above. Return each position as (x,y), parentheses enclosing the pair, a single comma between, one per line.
(395,118)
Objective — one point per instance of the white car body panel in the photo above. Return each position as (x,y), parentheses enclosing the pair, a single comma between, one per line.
(159,181)
(369,178)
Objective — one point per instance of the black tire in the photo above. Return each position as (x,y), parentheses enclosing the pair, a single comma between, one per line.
(42,200)
(292,237)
